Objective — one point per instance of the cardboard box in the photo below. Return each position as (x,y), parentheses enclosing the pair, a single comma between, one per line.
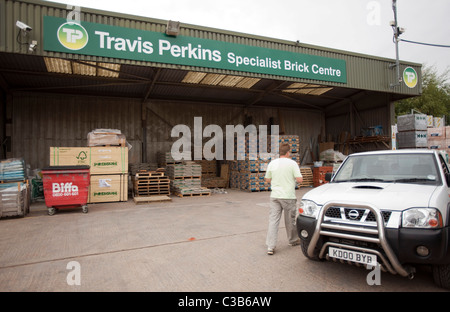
(106,188)
(101,159)
(412,122)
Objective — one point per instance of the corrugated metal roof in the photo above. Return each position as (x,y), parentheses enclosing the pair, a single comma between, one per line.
(363,71)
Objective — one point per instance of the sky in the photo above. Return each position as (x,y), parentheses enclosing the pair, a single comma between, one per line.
(360,26)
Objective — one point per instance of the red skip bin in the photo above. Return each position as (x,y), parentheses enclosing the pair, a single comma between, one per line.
(66,187)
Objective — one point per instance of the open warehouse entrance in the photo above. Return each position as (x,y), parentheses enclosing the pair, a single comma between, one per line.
(134,74)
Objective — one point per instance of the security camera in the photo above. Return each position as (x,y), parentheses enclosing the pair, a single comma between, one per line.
(23,26)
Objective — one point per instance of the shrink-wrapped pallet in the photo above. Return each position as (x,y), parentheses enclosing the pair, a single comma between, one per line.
(412,122)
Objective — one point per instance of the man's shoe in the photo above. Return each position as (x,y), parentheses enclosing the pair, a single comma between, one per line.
(270,251)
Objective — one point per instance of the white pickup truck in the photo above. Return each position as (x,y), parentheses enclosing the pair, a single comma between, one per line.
(385,207)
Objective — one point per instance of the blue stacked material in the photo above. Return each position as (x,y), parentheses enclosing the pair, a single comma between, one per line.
(12,169)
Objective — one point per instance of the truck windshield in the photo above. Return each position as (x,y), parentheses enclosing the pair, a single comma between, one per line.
(390,168)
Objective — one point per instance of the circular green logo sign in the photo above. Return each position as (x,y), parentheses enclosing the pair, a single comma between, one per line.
(73,36)
(410,77)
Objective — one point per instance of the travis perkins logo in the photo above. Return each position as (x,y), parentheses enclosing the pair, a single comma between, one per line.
(64,189)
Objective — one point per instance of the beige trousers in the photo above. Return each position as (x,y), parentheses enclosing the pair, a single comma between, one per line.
(277,206)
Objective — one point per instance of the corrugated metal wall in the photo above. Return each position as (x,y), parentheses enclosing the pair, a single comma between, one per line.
(363,72)
(3,142)
(163,115)
(355,117)
(40,121)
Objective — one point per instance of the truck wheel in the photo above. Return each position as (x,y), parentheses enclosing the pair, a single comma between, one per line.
(84,209)
(441,275)
(51,211)
(304,245)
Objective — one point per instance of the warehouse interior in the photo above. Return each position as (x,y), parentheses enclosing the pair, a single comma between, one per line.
(146,102)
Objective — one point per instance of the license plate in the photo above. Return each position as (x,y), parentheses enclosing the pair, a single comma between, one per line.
(351,255)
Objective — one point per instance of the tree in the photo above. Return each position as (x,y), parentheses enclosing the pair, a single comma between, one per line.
(435,98)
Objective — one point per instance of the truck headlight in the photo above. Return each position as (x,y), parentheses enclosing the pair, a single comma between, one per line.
(308,209)
(427,218)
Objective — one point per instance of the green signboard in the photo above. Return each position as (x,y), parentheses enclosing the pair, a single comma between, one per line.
(140,45)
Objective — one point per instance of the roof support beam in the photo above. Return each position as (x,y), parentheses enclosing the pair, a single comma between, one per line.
(275,85)
(299,101)
(152,84)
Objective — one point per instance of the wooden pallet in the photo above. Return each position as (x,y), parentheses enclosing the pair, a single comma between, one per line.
(151,199)
(193,194)
(149,174)
(151,183)
(307,177)
(163,181)
(186,178)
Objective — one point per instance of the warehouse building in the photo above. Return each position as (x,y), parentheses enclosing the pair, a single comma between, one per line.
(64,73)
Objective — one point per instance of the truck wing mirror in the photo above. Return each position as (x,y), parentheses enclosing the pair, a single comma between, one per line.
(447,178)
(328,176)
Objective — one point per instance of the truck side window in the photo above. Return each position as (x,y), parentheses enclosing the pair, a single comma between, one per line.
(443,164)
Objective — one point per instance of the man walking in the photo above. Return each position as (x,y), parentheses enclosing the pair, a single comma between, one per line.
(282,174)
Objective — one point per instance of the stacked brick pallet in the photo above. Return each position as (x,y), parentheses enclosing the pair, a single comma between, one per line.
(14,188)
(249,174)
(249,181)
(319,175)
(165,158)
(294,144)
(439,138)
(412,131)
(185,179)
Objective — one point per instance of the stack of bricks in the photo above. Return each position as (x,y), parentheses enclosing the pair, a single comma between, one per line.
(185,179)
(165,158)
(294,144)
(319,175)
(248,174)
(439,138)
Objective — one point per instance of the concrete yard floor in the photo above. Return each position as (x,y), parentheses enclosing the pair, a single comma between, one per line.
(191,244)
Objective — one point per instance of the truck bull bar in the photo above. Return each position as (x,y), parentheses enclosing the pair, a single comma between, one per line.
(326,229)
